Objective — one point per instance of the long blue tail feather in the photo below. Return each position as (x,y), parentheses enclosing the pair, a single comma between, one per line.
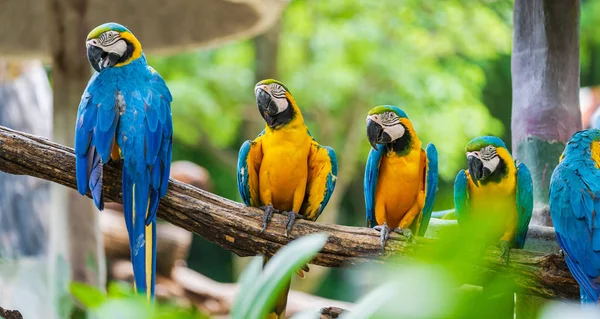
(153,207)
(153,257)
(127,187)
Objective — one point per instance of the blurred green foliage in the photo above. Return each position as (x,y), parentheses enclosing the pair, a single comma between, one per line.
(259,289)
(122,302)
(340,58)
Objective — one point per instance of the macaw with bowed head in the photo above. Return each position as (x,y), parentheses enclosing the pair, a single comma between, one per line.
(284,169)
(574,207)
(494,195)
(125,113)
(400,178)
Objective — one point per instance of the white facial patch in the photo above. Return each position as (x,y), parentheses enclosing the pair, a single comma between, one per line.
(488,156)
(277,93)
(492,164)
(390,123)
(110,42)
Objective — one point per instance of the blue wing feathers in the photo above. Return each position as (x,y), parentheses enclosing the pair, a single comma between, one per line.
(331,178)
(461,197)
(431,179)
(573,205)
(370,183)
(524,203)
(330,182)
(242,173)
(96,179)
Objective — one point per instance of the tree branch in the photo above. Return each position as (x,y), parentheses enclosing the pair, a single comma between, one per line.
(10,314)
(237,228)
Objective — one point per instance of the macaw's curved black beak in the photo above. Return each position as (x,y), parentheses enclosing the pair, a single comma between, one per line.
(374,133)
(476,169)
(266,105)
(100,60)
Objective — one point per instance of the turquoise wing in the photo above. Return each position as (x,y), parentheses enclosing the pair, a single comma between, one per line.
(431,180)
(370,183)
(249,159)
(461,197)
(574,201)
(524,203)
(322,177)
(97,118)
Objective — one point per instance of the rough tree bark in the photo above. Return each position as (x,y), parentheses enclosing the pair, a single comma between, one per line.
(74,232)
(10,314)
(238,228)
(545,78)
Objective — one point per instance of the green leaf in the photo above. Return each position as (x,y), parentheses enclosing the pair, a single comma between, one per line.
(90,297)
(247,281)
(117,289)
(278,272)
(124,308)
(371,303)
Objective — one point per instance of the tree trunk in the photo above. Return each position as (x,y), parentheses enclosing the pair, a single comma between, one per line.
(545,75)
(25,104)
(75,233)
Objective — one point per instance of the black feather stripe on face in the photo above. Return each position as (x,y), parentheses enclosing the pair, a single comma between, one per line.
(389,119)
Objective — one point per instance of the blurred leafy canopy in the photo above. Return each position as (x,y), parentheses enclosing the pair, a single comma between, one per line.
(341,56)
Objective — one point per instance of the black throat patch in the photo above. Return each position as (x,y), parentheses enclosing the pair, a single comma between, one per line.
(402,145)
(280,119)
(497,175)
(128,52)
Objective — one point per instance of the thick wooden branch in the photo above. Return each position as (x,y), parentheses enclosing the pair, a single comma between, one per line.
(237,228)
(10,314)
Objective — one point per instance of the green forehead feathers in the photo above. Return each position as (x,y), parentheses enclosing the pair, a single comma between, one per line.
(480,142)
(271,81)
(387,108)
(110,26)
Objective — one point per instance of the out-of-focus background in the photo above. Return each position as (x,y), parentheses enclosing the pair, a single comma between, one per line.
(446,63)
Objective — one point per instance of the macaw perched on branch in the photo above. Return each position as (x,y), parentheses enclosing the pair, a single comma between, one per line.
(125,113)
(400,178)
(284,169)
(494,195)
(574,207)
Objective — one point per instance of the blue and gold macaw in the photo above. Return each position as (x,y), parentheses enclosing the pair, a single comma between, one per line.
(400,178)
(125,113)
(574,207)
(494,195)
(284,169)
